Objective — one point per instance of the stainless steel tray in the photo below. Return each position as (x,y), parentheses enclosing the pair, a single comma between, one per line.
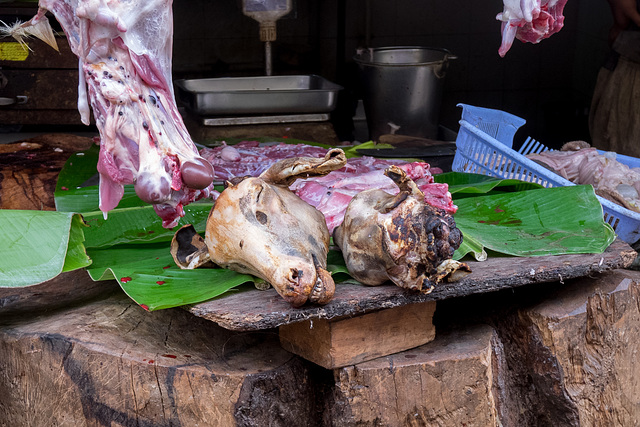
(258,95)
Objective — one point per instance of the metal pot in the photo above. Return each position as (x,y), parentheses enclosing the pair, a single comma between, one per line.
(403,89)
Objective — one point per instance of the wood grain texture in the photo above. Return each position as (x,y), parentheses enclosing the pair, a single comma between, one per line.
(253,309)
(337,343)
(109,362)
(575,354)
(72,287)
(29,169)
(450,381)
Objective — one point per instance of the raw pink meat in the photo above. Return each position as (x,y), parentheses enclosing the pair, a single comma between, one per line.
(332,193)
(124,50)
(602,171)
(249,158)
(529,21)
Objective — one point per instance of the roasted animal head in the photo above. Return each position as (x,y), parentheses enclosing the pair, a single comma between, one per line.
(399,238)
(260,227)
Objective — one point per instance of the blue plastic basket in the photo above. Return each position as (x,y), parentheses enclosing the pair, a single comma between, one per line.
(484,146)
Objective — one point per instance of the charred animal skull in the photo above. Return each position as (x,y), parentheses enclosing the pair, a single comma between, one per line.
(399,238)
(260,227)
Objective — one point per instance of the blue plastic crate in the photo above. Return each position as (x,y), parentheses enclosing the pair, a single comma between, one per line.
(484,146)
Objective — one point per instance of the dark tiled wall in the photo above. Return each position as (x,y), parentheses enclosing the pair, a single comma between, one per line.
(549,84)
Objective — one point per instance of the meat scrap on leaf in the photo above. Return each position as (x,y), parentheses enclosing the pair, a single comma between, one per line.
(124,53)
(399,238)
(260,227)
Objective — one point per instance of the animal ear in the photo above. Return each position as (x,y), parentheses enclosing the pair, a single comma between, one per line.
(234,181)
(404,182)
(286,171)
(188,248)
(392,203)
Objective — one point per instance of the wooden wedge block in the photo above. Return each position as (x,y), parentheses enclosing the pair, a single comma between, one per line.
(342,342)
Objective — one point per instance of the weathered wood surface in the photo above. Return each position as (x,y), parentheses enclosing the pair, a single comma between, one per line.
(564,356)
(253,309)
(574,356)
(337,343)
(29,170)
(110,362)
(447,382)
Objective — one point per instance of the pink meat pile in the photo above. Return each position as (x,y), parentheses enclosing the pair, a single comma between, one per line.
(332,193)
(610,178)
(250,158)
(529,21)
(124,54)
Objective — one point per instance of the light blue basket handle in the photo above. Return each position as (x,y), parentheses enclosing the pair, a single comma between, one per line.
(498,124)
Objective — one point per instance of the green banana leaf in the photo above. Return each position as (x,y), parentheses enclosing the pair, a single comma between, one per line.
(471,184)
(139,225)
(39,245)
(148,274)
(77,186)
(505,216)
(548,221)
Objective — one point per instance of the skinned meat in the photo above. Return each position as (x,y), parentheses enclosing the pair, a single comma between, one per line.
(610,179)
(331,194)
(529,21)
(124,51)
(250,158)
(260,227)
(399,238)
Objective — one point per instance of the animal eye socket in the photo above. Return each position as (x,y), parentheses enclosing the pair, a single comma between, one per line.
(261,217)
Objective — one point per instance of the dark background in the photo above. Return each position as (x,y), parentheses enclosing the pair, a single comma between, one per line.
(549,84)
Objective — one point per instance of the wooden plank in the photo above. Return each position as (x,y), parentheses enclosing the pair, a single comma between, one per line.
(66,289)
(337,343)
(251,309)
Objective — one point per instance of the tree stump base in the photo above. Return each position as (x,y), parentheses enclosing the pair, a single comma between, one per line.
(109,362)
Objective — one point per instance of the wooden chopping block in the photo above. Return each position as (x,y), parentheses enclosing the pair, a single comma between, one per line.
(566,356)
(347,341)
